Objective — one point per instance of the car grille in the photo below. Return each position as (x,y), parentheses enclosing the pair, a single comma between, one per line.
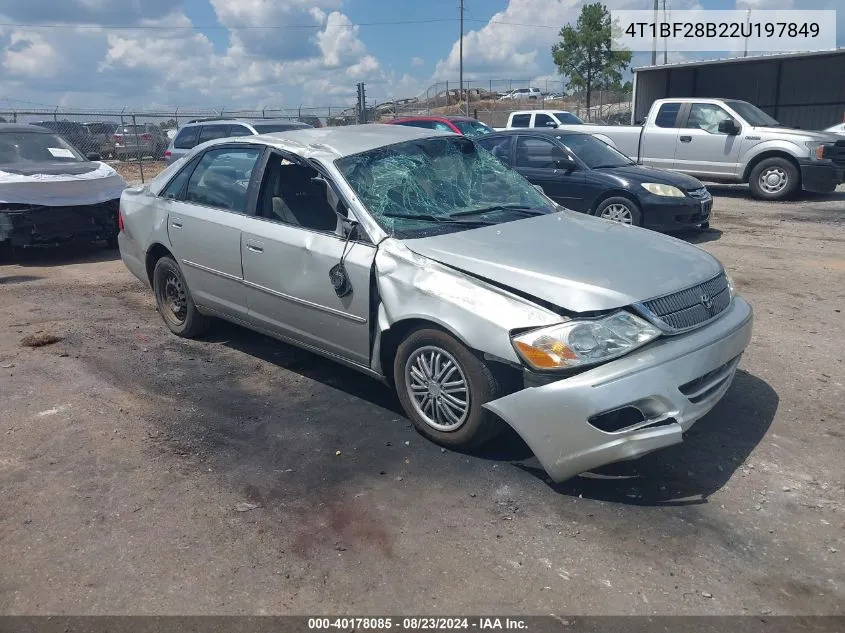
(837,152)
(699,194)
(705,386)
(689,308)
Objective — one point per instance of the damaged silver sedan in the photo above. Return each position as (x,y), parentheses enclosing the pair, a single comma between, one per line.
(418,258)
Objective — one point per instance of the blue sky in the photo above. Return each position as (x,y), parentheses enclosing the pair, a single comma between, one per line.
(214,53)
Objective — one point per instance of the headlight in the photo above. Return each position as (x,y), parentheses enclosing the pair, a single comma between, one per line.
(663,190)
(816,149)
(579,343)
(731,290)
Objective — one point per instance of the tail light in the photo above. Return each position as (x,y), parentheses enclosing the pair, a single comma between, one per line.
(168,154)
(146,137)
(119,220)
(118,138)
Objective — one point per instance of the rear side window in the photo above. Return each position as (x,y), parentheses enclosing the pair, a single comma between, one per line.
(668,115)
(239,130)
(499,147)
(211,132)
(424,124)
(176,185)
(221,179)
(521,120)
(187,138)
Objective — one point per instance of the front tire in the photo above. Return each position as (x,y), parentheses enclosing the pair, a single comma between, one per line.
(174,302)
(442,386)
(619,209)
(774,179)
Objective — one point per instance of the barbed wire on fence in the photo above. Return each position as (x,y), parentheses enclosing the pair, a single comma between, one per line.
(143,135)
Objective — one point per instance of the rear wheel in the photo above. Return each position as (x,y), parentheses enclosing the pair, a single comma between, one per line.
(774,179)
(442,386)
(174,301)
(619,209)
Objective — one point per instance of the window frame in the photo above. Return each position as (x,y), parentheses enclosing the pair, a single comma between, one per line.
(251,196)
(680,116)
(535,137)
(685,122)
(363,237)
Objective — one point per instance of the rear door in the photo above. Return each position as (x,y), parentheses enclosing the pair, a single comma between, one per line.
(660,138)
(535,158)
(205,220)
(702,149)
(289,247)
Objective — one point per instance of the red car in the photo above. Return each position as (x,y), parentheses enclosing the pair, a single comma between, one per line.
(464,125)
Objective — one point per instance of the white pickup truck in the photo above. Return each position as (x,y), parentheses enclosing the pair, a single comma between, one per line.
(727,140)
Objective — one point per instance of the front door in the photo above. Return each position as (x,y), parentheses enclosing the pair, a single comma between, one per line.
(288,249)
(535,158)
(204,224)
(702,149)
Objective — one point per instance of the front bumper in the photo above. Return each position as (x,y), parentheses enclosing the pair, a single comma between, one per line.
(662,213)
(554,419)
(22,225)
(822,176)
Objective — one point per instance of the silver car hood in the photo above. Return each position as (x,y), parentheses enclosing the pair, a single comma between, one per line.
(576,262)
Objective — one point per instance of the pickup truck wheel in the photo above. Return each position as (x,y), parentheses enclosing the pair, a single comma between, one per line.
(174,302)
(442,386)
(774,179)
(619,209)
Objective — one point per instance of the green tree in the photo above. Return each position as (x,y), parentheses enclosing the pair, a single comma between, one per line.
(583,54)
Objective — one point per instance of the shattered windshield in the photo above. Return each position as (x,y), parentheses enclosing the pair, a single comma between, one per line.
(439,185)
(36,147)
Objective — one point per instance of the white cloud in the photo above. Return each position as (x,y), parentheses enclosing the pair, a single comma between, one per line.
(28,53)
(417,61)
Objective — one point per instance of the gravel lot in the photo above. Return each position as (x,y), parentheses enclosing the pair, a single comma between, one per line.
(140,473)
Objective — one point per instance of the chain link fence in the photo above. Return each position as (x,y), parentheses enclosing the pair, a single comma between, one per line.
(135,141)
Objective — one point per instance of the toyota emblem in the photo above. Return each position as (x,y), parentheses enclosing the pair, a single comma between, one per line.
(706,301)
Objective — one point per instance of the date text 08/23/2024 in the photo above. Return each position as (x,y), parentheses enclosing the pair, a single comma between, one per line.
(415,623)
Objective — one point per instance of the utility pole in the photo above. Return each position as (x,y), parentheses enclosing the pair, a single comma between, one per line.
(654,40)
(461,54)
(665,19)
(748,22)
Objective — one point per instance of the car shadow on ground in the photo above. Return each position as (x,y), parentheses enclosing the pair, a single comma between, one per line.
(686,474)
(61,255)
(698,236)
(737,191)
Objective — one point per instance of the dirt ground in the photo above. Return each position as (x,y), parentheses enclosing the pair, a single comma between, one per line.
(144,474)
(131,170)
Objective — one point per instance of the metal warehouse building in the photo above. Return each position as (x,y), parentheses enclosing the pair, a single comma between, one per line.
(804,90)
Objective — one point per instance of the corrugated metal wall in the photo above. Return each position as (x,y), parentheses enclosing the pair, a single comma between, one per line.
(805,92)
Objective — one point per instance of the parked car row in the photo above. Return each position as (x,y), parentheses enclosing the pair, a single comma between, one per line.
(419,258)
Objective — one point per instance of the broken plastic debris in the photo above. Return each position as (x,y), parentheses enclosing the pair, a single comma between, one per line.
(337,452)
(243,506)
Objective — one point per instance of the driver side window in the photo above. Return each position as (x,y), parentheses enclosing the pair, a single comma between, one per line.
(290,195)
(706,116)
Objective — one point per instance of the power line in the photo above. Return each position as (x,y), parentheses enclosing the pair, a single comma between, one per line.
(278,27)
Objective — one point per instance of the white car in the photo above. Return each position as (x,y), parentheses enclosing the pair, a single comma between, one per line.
(837,129)
(522,94)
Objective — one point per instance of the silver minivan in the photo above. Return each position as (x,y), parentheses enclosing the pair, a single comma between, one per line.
(199,131)
(418,258)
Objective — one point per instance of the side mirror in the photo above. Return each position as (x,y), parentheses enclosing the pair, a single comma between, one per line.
(551,124)
(93,156)
(728,126)
(566,163)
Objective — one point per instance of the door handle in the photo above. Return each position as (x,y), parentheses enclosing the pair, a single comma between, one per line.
(686,139)
(255,247)
(176,223)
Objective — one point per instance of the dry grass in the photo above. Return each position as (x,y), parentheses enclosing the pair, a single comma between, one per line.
(40,340)
(131,171)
